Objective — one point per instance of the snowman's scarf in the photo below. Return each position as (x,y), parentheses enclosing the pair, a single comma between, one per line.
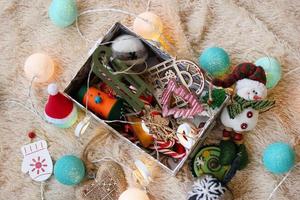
(239,104)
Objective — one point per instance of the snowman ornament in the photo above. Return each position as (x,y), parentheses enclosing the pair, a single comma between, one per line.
(241,115)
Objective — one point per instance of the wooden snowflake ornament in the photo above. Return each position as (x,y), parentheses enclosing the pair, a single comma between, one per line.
(193,106)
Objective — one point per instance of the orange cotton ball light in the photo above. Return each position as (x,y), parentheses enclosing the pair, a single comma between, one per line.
(40,66)
(148,25)
(134,194)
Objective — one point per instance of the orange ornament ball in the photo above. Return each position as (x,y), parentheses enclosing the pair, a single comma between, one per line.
(40,66)
(148,25)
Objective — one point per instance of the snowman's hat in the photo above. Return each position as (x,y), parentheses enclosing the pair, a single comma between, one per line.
(59,110)
(243,71)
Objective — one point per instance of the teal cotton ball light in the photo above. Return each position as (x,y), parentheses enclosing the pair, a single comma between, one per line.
(272,68)
(279,158)
(69,170)
(215,61)
(63,12)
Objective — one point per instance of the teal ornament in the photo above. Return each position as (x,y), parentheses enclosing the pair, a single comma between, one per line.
(69,170)
(215,61)
(272,69)
(63,12)
(279,158)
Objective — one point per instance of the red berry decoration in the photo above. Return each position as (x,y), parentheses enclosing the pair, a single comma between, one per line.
(31,135)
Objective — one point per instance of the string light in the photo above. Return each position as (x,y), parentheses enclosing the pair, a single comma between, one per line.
(39,67)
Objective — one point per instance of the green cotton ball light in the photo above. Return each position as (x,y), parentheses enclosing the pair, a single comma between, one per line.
(69,170)
(63,12)
(279,158)
(272,68)
(215,61)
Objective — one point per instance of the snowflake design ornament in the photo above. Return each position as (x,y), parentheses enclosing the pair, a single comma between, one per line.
(209,188)
(37,161)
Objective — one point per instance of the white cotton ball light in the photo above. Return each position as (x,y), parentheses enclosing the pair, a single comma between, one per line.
(134,194)
(40,66)
(148,25)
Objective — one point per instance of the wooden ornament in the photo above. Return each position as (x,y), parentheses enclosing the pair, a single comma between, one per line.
(120,82)
(109,184)
(37,161)
(193,107)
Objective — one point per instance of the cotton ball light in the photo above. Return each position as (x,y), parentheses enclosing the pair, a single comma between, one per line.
(40,66)
(215,61)
(134,194)
(63,12)
(279,158)
(272,68)
(148,25)
(69,170)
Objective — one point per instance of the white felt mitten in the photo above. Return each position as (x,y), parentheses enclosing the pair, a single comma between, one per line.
(37,161)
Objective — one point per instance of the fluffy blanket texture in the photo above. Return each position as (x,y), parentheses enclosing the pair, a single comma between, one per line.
(248,30)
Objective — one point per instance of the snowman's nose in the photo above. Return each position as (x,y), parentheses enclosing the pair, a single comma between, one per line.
(257,97)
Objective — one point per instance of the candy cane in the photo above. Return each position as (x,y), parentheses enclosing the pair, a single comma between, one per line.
(164,148)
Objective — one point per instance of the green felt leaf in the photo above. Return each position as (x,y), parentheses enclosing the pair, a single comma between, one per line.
(218,96)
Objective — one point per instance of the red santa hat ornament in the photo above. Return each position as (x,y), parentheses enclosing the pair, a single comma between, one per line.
(59,110)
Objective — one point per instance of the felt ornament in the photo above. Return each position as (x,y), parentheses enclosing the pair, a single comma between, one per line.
(109,183)
(233,151)
(209,188)
(63,13)
(279,157)
(242,114)
(215,61)
(120,82)
(228,153)
(69,170)
(272,68)
(218,97)
(39,66)
(207,161)
(105,105)
(59,110)
(193,107)
(37,161)
(148,25)
(129,49)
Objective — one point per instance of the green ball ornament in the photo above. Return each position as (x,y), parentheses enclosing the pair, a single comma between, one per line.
(215,61)
(279,158)
(63,12)
(69,170)
(272,68)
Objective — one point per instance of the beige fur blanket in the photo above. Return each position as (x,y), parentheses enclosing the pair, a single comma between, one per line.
(246,29)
